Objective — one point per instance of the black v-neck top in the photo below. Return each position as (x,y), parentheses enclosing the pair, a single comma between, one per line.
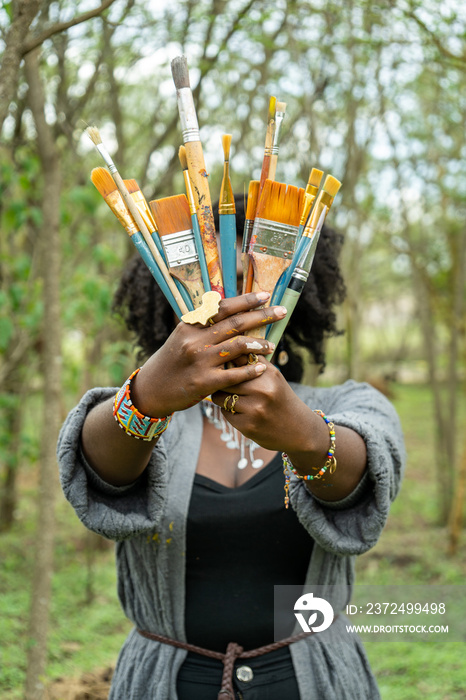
(241,542)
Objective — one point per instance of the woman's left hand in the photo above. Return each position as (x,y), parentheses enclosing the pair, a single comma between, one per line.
(269,412)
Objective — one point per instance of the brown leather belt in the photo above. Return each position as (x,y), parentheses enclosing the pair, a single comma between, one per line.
(233,652)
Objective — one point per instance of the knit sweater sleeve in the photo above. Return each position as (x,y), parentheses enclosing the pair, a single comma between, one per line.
(353,525)
(114,512)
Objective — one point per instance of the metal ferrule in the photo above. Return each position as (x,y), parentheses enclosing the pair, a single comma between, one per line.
(279,116)
(274,238)
(117,205)
(248,226)
(226,209)
(107,158)
(300,274)
(180,248)
(188,116)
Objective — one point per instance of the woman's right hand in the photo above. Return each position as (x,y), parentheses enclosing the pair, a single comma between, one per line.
(197,361)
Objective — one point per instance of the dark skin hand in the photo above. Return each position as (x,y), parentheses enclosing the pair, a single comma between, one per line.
(190,366)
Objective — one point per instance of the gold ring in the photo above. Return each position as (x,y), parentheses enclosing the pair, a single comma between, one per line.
(252,358)
(225,403)
(211,322)
(235,398)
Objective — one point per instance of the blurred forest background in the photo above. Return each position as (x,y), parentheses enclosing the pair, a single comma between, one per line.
(376,95)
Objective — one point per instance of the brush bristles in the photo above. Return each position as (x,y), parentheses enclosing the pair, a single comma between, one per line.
(280,107)
(226,143)
(180,72)
(253,193)
(171,214)
(183,158)
(281,203)
(94,135)
(272,106)
(104,182)
(331,185)
(131,186)
(315,177)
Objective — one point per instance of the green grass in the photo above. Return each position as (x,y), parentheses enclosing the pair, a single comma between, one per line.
(87,636)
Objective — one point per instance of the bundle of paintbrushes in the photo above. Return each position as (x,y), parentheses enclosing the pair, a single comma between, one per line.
(176,235)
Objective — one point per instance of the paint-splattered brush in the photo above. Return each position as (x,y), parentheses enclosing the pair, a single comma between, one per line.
(279,117)
(227,224)
(253,196)
(173,219)
(106,185)
(142,205)
(296,284)
(197,170)
(194,220)
(274,234)
(96,139)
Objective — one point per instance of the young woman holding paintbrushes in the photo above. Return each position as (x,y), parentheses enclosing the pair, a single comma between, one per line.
(200,542)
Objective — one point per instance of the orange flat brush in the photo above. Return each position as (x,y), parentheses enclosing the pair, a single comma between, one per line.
(274,235)
(173,220)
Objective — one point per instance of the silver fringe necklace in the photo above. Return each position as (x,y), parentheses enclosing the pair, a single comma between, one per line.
(233,439)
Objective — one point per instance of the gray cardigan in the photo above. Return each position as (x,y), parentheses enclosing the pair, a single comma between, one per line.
(148,522)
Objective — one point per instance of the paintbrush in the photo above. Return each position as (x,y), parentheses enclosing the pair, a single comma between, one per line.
(195,222)
(296,284)
(264,173)
(141,203)
(253,194)
(173,220)
(106,185)
(279,117)
(274,235)
(197,170)
(324,200)
(227,224)
(310,194)
(95,137)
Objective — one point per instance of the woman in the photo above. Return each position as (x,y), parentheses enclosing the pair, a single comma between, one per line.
(201,543)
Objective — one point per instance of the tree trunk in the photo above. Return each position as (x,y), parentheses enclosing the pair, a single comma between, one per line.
(50,266)
(26,10)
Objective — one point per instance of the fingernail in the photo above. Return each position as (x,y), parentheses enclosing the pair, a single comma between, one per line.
(263,296)
(280,311)
(272,346)
(260,368)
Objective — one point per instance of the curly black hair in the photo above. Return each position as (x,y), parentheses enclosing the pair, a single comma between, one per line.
(145,311)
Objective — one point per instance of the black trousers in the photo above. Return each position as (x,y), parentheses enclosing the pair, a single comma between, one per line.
(273,678)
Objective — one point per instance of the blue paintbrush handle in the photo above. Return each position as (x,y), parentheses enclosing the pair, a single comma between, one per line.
(284,280)
(143,250)
(201,253)
(228,253)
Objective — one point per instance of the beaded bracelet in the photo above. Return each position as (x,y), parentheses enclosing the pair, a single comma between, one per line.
(331,462)
(131,420)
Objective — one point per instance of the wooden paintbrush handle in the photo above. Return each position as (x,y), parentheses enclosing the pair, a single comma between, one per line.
(199,179)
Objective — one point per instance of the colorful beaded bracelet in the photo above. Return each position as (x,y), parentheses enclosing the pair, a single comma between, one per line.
(331,462)
(132,421)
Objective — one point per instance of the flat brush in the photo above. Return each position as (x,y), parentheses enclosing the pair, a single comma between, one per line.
(279,117)
(324,201)
(264,172)
(106,185)
(197,170)
(173,219)
(253,193)
(194,220)
(227,224)
(144,209)
(296,284)
(274,235)
(95,137)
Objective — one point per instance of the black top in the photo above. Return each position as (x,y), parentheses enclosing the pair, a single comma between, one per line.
(241,542)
